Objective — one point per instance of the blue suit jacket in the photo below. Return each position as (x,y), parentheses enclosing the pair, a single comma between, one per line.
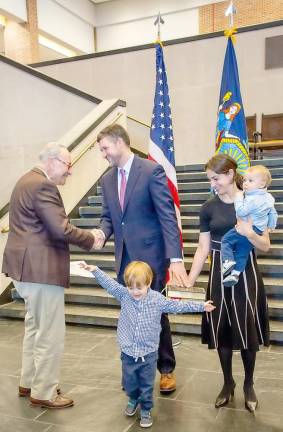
(148,224)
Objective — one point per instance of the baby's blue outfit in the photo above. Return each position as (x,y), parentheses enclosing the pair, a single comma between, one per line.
(257,205)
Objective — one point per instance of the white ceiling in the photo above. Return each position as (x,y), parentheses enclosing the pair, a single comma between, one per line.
(99,1)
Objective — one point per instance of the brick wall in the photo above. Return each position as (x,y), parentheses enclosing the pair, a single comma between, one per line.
(21,40)
(212,17)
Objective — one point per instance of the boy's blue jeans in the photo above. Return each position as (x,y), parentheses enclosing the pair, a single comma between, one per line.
(138,378)
(235,247)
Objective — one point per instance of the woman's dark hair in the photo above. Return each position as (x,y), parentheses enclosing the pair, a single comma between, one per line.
(221,164)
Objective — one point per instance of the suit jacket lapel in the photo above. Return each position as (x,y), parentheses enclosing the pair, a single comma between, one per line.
(134,174)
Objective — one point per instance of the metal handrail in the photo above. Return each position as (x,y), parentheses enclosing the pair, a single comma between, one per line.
(92,144)
(5,229)
(138,121)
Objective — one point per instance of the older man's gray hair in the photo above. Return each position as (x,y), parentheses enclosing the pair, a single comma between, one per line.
(50,151)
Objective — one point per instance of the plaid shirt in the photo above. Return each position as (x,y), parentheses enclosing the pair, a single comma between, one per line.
(139,322)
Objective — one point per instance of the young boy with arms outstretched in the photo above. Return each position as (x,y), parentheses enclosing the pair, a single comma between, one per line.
(139,330)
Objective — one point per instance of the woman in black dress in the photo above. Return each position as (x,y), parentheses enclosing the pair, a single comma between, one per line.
(240,320)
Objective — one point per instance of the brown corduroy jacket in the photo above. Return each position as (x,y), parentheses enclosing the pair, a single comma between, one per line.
(37,248)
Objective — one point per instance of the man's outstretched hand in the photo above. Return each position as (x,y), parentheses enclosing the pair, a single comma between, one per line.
(178,275)
(99,238)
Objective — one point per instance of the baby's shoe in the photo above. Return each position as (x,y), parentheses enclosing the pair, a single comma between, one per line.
(232,279)
(227,266)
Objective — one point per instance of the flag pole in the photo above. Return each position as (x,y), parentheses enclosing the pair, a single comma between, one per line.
(231,11)
(161,143)
(159,20)
(231,130)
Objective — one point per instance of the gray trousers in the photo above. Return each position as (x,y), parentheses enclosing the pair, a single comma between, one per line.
(43,343)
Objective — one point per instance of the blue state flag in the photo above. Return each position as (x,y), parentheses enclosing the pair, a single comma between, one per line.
(231,130)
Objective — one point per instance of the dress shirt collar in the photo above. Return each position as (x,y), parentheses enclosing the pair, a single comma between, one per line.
(128,164)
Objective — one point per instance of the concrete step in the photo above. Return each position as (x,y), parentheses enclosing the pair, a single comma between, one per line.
(97,296)
(184,186)
(191,176)
(200,197)
(268,162)
(275,251)
(196,197)
(204,186)
(83,282)
(194,209)
(187,221)
(186,210)
(189,198)
(276,172)
(268,266)
(273,285)
(108,317)
(193,235)
(106,250)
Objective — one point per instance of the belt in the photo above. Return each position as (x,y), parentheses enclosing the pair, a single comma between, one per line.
(216,245)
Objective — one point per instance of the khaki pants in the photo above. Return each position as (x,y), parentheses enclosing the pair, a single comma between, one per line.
(43,343)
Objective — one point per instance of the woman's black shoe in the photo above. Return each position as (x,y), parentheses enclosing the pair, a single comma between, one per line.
(251,401)
(225,394)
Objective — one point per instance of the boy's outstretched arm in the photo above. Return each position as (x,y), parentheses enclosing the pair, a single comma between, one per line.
(178,306)
(111,286)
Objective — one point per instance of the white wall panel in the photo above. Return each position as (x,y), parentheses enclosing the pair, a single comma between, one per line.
(16,8)
(64,25)
(194,74)
(139,32)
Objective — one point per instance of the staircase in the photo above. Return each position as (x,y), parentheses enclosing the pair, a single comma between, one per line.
(89,304)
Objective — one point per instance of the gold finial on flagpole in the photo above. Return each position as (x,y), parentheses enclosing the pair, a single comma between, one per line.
(159,20)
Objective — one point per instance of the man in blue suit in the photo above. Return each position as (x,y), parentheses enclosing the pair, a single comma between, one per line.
(139,210)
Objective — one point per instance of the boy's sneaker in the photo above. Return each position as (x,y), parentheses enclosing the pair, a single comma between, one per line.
(131,408)
(227,266)
(231,280)
(146,419)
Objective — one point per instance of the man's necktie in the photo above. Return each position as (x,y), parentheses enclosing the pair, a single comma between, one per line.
(122,187)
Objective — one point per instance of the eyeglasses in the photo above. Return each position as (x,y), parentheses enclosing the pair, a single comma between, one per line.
(68,164)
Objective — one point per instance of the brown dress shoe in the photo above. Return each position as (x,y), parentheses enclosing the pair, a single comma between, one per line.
(56,403)
(167,383)
(25,391)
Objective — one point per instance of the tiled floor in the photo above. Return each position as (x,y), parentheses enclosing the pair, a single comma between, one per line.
(91,375)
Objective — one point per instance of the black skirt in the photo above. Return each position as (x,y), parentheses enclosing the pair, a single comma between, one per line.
(240,320)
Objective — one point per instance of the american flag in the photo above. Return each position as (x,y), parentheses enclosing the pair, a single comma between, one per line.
(161,144)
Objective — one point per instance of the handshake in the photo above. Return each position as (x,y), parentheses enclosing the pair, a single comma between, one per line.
(99,238)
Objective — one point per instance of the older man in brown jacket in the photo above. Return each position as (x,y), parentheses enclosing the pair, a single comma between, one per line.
(37,258)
